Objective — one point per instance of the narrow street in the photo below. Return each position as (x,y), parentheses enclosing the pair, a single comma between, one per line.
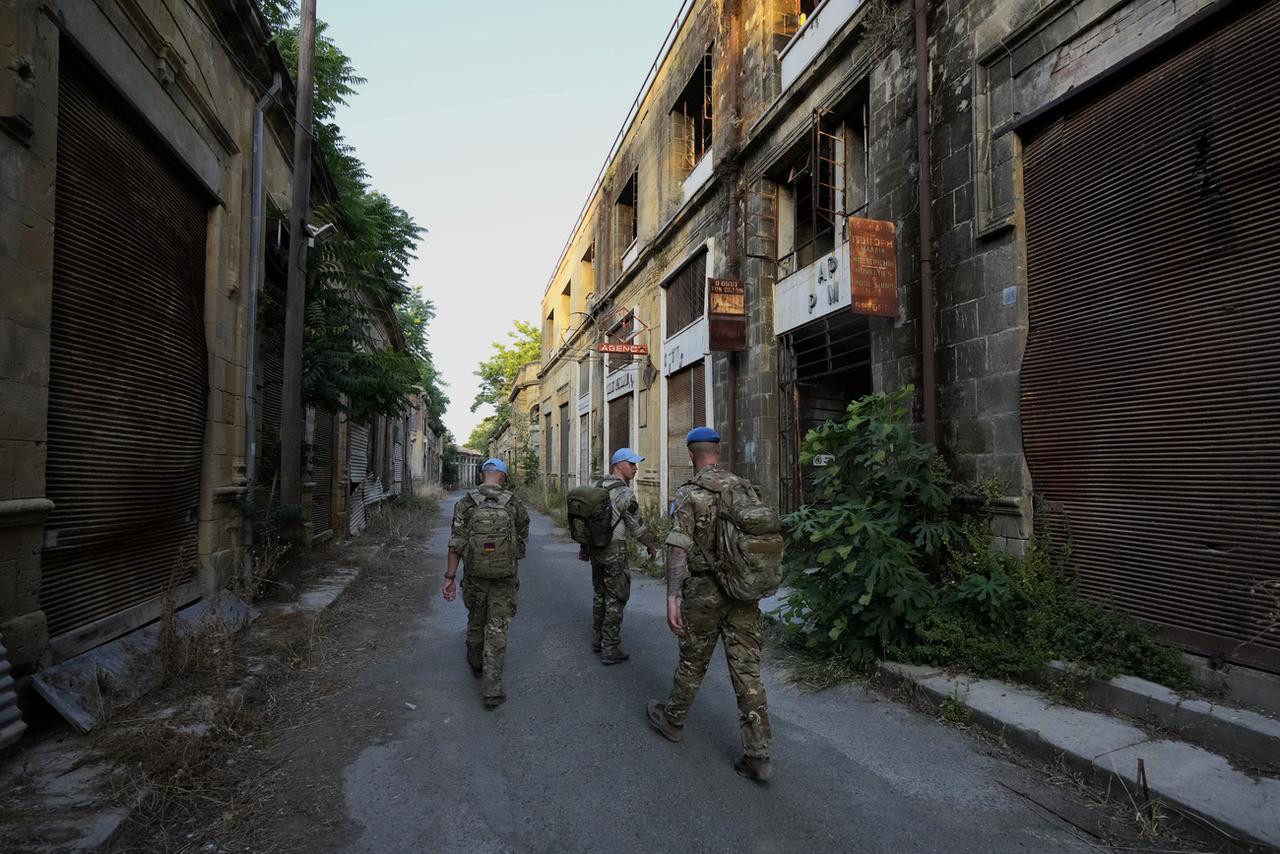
(568,764)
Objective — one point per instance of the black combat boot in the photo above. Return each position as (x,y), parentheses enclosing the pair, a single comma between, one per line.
(754,768)
(615,657)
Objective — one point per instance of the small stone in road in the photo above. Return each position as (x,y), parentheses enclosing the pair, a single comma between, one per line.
(411,707)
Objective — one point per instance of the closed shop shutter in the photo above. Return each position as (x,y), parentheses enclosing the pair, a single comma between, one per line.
(322,473)
(128,383)
(584,447)
(564,446)
(1151,382)
(357,452)
(619,423)
(267,487)
(686,409)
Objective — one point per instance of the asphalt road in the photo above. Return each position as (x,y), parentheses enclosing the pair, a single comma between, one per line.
(568,763)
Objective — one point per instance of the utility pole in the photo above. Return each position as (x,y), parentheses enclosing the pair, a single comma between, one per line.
(296,293)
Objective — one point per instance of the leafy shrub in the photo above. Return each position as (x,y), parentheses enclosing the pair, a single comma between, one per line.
(879,514)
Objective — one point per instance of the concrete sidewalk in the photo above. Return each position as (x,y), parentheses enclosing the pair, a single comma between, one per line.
(1218,801)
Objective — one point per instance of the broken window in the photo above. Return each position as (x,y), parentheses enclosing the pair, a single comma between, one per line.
(691,119)
(814,181)
(549,334)
(626,214)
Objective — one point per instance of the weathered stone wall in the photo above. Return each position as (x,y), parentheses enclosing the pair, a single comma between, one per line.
(171,67)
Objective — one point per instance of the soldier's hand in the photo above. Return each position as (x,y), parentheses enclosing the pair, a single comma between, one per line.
(675,619)
(583,554)
(653,552)
(450,589)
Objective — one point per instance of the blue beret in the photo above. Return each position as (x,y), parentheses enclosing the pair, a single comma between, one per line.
(702,434)
(494,464)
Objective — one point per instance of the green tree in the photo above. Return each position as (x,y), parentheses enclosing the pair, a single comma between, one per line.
(483,433)
(499,371)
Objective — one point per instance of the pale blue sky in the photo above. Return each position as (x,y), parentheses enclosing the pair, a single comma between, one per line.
(488,122)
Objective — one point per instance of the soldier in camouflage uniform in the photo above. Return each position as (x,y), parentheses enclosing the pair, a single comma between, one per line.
(610,568)
(700,614)
(490,601)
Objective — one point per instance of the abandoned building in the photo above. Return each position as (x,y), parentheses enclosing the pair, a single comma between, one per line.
(141,146)
(1091,325)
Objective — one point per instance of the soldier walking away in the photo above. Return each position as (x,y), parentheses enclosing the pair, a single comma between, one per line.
(490,535)
(723,555)
(610,569)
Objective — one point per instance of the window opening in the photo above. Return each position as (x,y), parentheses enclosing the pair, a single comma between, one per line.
(687,294)
(816,181)
(692,118)
(627,212)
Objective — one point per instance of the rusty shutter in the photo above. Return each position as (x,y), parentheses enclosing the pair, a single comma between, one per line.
(619,423)
(687,295)
(564,446)
(686,409)
(1151,382)
(127,375)
(322,473)
(584,447)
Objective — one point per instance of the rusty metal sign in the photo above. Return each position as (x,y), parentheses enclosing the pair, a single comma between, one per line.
(727,315)
(623,348)
(873,267)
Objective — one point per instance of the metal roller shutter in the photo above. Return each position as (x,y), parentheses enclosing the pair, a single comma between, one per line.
(357,452)
(1151,382)
(322,473)
(584,447)
(686,409)
(127,384)
(619,423)
(564,446)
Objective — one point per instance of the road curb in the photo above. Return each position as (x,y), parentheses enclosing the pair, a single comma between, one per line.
(1219,803)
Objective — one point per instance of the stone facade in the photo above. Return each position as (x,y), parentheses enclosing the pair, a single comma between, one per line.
(518,435)
(194,75)
(991,62)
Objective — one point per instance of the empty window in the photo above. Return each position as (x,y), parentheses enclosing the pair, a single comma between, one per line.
(626,213)
(566,309)
(814,182)
(549,334)
(795,13)
(691,119)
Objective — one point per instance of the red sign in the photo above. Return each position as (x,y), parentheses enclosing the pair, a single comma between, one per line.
(727,320)
(625,349)
(873,267)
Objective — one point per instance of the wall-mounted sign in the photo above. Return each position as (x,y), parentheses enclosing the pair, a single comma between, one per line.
(623,348)
(823,460)
(727,307)
(812,292)
(620,382)
(873,272)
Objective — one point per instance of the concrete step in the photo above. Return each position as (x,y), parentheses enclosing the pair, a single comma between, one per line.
(1220,801)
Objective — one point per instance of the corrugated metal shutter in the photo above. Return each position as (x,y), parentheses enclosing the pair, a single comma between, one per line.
(128,384)
(564,446)
(584,447)
(686,409)
(687,295)
(1151,383)
(619,423)
(357,452)
(356,504)
(322,473)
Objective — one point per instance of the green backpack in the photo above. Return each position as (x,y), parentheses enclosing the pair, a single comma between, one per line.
(492,549)
(591,521)
(748,564)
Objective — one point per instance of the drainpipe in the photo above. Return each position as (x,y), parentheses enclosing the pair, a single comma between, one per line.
(928,351)
(257,229)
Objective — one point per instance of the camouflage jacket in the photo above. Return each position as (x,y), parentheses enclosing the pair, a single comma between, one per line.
(626,510)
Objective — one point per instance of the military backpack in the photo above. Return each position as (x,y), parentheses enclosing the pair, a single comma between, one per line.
(748,540)
(492,549)
(591,521)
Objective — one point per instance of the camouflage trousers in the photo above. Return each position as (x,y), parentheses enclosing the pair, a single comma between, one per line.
(611,588)
(491,603)
(710,616)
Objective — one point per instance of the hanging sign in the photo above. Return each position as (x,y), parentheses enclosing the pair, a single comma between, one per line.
(727,307)
(873,267)
(623,348)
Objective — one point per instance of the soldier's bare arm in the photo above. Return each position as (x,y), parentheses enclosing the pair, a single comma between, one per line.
(677,572)
(457,541)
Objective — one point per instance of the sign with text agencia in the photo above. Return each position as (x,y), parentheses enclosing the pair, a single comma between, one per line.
(622,348)
(727,307)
